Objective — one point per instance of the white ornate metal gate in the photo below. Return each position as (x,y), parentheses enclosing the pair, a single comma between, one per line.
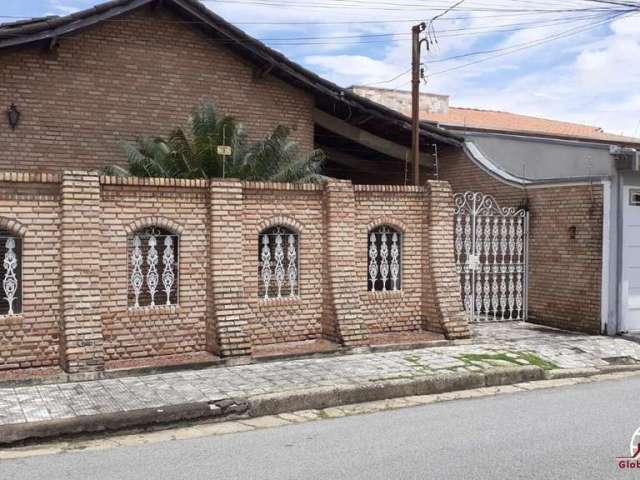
(491,250)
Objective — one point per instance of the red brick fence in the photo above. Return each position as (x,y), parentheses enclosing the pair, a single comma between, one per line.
(112,269)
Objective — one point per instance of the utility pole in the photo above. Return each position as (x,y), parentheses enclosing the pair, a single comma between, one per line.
(415,100)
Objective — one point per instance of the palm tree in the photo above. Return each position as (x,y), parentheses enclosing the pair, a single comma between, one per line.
(193,153)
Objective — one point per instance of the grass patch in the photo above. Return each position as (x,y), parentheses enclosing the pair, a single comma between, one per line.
(412,359)
(480,357)
(533,359)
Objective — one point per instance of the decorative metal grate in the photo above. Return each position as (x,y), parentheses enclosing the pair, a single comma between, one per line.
(153,268)
(278,263)
(491,258)
(11,274)
(385,259)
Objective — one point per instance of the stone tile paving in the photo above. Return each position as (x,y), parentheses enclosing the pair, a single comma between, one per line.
(507,341)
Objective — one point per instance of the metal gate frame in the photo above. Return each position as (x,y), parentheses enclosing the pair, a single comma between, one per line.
(492,258)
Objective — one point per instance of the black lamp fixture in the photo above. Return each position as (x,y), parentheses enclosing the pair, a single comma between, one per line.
(13,114)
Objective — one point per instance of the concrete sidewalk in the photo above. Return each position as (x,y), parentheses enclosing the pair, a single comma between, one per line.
(499,354)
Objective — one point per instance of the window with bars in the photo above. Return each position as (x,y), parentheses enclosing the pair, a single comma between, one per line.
(11,273)
(153,267)
(385,259)
(278,263)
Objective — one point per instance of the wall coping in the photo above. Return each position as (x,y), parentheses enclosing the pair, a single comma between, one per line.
(154,182)
(30,177)
(389,188)
(312,187)
(53,178)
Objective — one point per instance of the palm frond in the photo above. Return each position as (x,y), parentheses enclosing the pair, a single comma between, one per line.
(193,153)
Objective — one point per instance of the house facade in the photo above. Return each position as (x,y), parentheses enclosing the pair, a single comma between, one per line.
(577,183)
(103,273)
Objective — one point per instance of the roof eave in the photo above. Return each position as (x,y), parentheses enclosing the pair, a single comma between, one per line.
(535,134)
(284,68)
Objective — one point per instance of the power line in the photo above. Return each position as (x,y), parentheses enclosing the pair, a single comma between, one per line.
(531,44)
(336,22)
(618,3)
(366,4)
(365,38)
(397,6)
(388,81)
(507,50)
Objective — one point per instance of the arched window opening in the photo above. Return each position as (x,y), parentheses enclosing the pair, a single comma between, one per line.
(385,259)
(153,267)
(278,263)
(11,273)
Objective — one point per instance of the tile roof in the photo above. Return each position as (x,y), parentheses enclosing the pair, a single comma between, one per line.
(513,122)
(435,109)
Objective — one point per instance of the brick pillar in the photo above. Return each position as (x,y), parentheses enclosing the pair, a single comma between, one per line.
(442,306)
(230,315)
(81,332)
(341,298)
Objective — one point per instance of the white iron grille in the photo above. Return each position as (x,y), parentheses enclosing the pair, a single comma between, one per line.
(153,256)
(491,258)
(278,263)
(10,274)
(384,259)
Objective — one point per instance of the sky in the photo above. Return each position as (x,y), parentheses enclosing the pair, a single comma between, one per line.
(572,60)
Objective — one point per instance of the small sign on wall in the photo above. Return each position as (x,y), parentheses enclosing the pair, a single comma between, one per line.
(223,150)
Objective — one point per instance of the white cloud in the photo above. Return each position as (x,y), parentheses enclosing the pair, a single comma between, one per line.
(590,78)
(66,7)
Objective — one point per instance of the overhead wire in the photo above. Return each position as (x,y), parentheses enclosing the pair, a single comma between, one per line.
(505,50)
(530,45)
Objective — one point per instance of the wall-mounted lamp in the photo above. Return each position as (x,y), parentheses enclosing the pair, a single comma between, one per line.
(13,114)
(573,230)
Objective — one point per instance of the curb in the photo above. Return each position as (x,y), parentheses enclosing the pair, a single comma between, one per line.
(268,404)
(325,397)
(588,372)
(147,417)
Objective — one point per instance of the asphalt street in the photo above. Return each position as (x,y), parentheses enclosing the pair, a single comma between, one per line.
(561,433)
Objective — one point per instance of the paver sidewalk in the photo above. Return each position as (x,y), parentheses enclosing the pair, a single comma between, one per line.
(494,345)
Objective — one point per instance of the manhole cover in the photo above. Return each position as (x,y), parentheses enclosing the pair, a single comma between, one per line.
(624,360)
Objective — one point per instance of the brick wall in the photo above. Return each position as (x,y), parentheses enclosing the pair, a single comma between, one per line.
(77,258)
(564,272)
(121,79)
(401,208)
(144,332)
(298,207)
(30,208)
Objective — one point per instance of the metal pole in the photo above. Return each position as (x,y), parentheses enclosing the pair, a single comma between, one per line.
(224,142)
(415,101)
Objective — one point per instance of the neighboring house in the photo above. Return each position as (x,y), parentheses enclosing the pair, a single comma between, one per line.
(365,264)
(580,185)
